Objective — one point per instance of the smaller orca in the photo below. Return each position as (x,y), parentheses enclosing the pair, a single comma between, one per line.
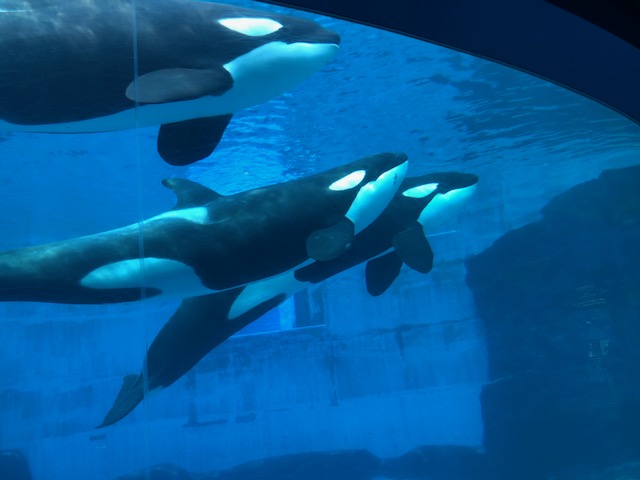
(397,236)
(100,66)
(209,242)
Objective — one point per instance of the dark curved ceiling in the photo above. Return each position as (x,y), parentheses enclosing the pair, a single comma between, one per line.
(589,46)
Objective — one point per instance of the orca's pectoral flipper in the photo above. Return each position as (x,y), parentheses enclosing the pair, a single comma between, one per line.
(414,249)
(189,193)
(381,272)
(130,395)
(183,143)
(178,84)
(329,243)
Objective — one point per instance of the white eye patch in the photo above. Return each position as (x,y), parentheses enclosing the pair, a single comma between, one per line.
(350,181)
(420,191)
(171,277)
(253,27)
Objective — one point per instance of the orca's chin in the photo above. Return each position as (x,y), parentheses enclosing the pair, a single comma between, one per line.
(444,208)
(276,67)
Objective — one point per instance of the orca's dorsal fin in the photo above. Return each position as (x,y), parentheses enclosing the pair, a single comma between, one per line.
(189,193)
(179,84)
(329,243)
(381,272)
(414,249)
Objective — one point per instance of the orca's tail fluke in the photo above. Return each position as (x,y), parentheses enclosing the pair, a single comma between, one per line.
(198,326)
(128,398)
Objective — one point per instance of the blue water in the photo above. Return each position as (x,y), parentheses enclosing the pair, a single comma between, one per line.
(387,374)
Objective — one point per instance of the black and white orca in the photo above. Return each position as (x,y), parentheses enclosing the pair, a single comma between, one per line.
(397,236)
(98,66)
(209,242)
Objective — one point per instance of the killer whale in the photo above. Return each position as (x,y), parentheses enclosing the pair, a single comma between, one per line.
(209,242)
(396,237)
(75,67)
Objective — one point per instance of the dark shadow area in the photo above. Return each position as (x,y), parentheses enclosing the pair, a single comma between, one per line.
(14,466)
(560,301)
(428,462)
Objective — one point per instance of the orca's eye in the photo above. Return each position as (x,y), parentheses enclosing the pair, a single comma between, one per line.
(420,191)
(253,27)
(348,182)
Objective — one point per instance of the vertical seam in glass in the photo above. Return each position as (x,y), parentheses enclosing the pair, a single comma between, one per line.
(136,106)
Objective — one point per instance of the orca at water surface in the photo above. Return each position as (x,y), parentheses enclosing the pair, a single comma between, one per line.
(99,66)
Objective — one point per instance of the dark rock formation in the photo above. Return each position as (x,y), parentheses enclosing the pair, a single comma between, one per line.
(438,462)
(442,462)
(352,464)
(159,472)
(14,466)
(630,471)
(560,301)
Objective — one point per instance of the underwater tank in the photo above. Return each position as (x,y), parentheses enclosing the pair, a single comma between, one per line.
(506,347)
